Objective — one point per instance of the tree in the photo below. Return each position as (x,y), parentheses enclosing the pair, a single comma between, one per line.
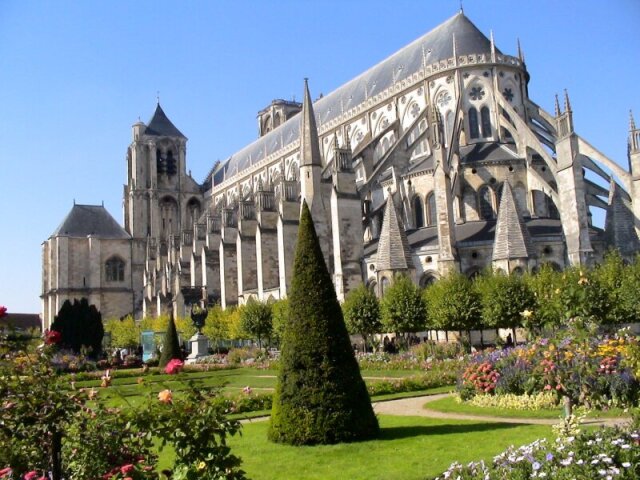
(609,277)
(320,396)
(361,311)
(453,304)
(546,286)
(256,320)
(505,300)
(80,326)
(279,313)
(124,332)
(171,345)
(402,307)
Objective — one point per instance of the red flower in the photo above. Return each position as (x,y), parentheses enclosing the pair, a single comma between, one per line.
(126,468)
(3,313)
(52,337)
(5,471)
(174,366)
(30,475)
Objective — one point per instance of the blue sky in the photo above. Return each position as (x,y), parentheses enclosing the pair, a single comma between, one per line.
(77,75)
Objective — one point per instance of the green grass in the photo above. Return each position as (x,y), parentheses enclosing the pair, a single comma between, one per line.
(408,448)
(450,405)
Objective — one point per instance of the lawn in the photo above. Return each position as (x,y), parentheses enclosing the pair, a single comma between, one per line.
(408,448)
(128,390)
(450,405)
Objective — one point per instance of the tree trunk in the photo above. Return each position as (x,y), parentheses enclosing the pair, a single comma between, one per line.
(515,340)
(567,405)
(56,455)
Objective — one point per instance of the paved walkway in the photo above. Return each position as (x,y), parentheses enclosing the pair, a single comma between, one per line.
(415,407)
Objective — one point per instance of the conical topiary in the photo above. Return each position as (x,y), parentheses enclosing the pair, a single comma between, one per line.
(320,397)
(171,345)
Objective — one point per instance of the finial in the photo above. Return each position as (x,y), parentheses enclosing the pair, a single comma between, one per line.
(74,202)
(347,142)
(632,122)
(461,8)
(158,96)
(567,104)
(102,203)
(493,47)
(557,106)
(520,54)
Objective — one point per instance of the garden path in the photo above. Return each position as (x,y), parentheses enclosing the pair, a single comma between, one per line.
(415,406)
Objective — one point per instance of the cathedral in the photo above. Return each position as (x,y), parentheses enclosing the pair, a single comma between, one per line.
(433,160)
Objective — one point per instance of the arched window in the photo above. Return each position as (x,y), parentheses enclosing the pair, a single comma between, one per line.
(473,123)
(486,203)
(114,270)
(418,212)
(427,279)
(169,216)
(432,213)
(486,122)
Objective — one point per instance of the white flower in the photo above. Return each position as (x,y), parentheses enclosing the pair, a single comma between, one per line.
(626,464)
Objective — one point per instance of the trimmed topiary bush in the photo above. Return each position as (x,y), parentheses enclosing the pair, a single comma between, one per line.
(171,345)
(80,327)
(320,397)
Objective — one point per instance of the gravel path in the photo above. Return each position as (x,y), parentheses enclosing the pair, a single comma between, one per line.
(416,407)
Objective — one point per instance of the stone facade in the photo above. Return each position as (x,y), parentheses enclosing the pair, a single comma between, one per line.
(434,160)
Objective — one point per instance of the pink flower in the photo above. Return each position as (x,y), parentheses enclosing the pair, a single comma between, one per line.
(3,313)
(30,475)
(5,471)
(126,468)
(174,366)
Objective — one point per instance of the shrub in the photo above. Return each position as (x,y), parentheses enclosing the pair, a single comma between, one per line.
(256,320)
(171,345)
(80,327)
(320,395)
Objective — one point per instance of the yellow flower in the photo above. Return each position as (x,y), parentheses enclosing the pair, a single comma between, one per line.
(526,313)
(557,290)
(202,466)
(583,281)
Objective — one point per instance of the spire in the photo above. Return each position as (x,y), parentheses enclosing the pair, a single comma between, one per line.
(309,143)
(161,126)
(493,47)
(619,231)
(393,247)
(512,239)
(557,106)
(520,54)
(632,122)
(567,104)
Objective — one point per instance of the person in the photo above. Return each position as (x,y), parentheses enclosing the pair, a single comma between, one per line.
(509,342)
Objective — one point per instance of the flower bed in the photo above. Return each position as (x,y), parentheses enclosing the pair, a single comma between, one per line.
(589,370)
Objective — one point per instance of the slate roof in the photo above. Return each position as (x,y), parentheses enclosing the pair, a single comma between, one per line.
(21,321)
(84,220)
(432,47)
(161,126)
(393,247)
(490,151)
(512,239)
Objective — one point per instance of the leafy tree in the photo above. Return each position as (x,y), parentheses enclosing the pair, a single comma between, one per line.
(546,286)
(124,332)
(361,311)
(609,279)
(320,396)
(216,327)
(453,304)
(583,298)
(630,287)
(505,299)
(402,307)
(80,326)
(171,345)
(280,313)
(256,320)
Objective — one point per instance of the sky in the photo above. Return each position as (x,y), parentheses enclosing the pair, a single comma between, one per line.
(75,75)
